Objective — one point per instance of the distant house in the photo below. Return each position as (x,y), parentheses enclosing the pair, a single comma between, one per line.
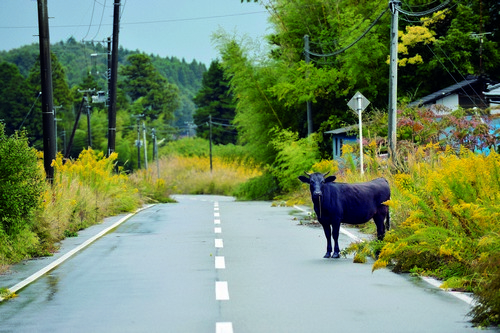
(466,94)
(340,137)
(492,94)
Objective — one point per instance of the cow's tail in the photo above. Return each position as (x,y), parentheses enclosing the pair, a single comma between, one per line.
(388,220)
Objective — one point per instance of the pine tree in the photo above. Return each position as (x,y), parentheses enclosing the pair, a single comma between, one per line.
(215,99)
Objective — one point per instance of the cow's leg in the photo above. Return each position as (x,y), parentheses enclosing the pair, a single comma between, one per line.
(379,219)
(335,235)
(328,234)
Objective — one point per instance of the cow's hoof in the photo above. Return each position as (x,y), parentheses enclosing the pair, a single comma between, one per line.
(327,255)
(336,255)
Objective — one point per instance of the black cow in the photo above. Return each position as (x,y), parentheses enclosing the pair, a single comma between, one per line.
(336,203)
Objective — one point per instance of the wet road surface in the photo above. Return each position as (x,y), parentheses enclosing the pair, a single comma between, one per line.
(210,264)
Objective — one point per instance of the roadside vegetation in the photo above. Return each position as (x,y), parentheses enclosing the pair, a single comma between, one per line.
(251,104)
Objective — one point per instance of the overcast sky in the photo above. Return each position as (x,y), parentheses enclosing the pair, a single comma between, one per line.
(180,28)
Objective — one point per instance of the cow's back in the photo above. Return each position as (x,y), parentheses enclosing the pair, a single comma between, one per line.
(355,203)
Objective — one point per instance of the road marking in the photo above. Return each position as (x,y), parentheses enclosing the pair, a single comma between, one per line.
(218,230)
(216,209)
(216,221)
(220,263)
(216,204)
(219,243)
(68,255)
(221,291)
(223,327)
(216,214)
(433,282)
(460,295)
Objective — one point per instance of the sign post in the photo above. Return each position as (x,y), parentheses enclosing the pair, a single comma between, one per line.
(359,103)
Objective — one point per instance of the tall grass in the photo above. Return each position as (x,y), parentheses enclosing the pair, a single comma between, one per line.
(445,216)
(83,192)
(192,175)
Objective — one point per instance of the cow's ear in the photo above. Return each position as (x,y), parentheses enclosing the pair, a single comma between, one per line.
(304,179)
(330,179)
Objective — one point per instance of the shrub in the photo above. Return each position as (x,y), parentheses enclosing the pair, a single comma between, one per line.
(262,187)
(446,213)
(22,183)
(293,158)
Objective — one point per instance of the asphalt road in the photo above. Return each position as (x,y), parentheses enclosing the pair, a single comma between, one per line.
(210,264)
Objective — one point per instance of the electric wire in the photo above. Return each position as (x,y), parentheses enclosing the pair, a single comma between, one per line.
(91,19)
(100,22)
(426,12)
(31,109)
(442,5)
(351,44)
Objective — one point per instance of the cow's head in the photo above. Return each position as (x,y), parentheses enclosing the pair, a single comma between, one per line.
(316,181)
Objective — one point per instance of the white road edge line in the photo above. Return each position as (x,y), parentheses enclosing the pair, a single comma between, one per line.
(223,327)
(432,281)
(221,291)
(68,255)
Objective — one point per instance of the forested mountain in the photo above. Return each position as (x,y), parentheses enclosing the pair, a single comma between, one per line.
(154,92)
(79,59)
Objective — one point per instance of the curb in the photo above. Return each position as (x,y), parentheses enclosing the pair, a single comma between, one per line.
(430,280)
(69,254)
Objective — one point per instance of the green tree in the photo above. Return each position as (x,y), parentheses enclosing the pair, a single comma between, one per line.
(215,99)
(22,183)
(14,100)
(63,100)
(141,79)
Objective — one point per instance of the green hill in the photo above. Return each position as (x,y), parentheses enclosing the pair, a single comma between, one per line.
(79,59)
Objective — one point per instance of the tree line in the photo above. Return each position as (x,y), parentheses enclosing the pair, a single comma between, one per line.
(435,51)
(161,89)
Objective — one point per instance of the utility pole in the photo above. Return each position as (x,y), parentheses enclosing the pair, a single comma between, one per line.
(210,121)
(113,79)
(89,133)
(87,99)
(145,144)
(55,123)
(309,111)
(155,153)
(70,143)
(138,141)
(393,79)
(109,72)
(49,138)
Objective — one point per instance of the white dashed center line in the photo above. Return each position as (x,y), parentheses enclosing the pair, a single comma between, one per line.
(224,328)
(220,263)
(221,291)
(221,287)
(219,244)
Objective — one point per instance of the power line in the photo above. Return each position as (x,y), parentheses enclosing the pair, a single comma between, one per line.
(426,12)
(199,18)
(100,23)
(353,43)
(91,19)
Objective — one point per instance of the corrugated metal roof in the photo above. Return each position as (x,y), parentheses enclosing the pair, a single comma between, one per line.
(444,92)
(493,90)
(342,130)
